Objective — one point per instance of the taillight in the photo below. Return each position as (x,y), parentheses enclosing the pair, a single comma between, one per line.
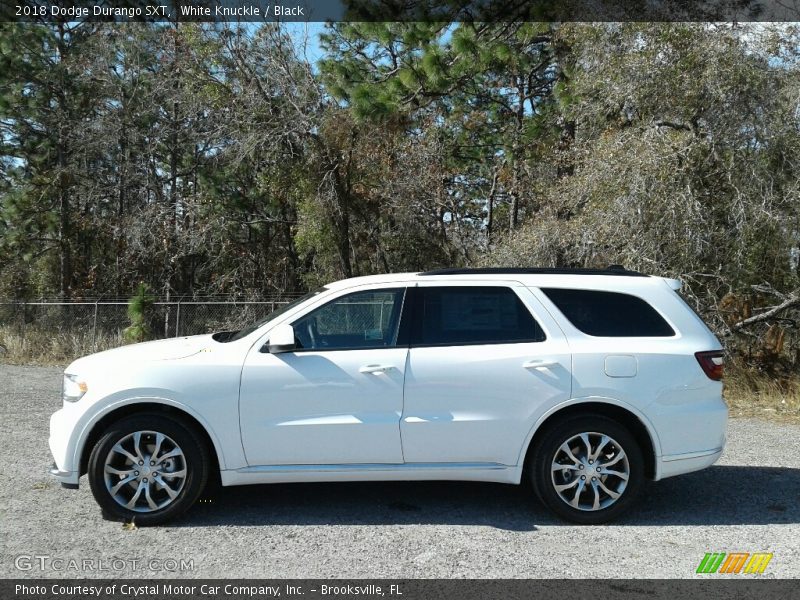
(711,362)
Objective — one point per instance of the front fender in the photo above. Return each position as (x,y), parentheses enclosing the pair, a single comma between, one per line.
(81,425)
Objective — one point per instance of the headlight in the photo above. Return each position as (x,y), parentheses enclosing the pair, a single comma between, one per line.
(73,388)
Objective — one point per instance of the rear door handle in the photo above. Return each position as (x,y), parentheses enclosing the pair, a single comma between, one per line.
(377,369)
(539,363)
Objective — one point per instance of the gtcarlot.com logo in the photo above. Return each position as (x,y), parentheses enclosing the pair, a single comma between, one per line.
(45,562)
(734,562)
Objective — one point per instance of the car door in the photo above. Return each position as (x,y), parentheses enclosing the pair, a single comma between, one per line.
(338,397)
(481,367)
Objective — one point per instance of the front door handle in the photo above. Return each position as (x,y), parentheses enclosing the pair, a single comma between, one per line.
(377,369)
(539,364)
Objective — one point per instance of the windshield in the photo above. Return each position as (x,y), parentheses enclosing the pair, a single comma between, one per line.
(231,336)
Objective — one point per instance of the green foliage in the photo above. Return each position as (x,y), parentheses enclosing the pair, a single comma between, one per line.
(679,169)
(216,160)
(139,307)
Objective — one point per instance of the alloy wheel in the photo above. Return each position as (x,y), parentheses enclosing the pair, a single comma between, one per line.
(145,471)
(590,471)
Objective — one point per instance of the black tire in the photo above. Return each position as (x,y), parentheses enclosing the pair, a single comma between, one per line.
(196,458)
(543,478)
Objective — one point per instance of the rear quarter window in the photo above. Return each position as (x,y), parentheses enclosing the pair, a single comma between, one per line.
(609,314)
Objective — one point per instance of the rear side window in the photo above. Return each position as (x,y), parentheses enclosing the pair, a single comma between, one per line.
(609,314)
(454,315)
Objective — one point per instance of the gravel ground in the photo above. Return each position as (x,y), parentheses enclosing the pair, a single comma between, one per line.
(749,502)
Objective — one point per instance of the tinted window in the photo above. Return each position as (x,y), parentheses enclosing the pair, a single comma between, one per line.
(609,314)
(472,315)
(360,320)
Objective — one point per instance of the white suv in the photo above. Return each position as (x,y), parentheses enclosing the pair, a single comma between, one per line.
(582,382)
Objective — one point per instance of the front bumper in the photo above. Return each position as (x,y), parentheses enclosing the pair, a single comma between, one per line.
(67,479)
(63,445)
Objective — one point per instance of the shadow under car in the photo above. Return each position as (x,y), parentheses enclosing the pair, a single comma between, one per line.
(719,495)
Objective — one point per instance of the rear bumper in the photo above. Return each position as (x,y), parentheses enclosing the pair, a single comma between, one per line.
(691,427)
(678,464)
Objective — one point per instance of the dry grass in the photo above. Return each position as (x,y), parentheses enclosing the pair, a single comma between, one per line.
(48,348)
(753,394)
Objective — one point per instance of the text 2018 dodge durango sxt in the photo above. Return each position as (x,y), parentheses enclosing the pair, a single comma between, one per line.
(584,383)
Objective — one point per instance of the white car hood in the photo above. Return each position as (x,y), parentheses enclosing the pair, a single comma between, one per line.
(169,349)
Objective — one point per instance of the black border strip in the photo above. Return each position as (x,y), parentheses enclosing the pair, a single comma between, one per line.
(253,11)
(710,587)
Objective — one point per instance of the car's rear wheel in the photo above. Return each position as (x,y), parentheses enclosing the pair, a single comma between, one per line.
(587,470)
(148,469)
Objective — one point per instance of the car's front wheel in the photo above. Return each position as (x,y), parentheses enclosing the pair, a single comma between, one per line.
(148,469)
(588,470)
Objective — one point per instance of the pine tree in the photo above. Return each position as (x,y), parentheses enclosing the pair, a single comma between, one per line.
(139,308)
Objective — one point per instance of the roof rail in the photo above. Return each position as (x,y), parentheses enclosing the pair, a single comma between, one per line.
(618,270)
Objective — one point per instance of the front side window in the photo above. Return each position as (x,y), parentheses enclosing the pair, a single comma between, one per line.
(455,315)
(232,336)
(609,314)
(359,320)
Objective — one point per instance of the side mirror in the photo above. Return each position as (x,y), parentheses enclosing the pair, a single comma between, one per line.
(281,339)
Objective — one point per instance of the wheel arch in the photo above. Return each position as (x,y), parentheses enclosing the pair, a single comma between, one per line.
(149,405)
(637,424)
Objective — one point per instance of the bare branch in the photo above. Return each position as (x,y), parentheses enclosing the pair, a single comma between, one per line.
(791,300)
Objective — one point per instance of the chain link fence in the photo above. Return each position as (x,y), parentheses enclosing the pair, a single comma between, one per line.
(57,330)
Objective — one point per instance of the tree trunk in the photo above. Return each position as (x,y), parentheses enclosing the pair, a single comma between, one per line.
(65,226)
(490,207)
(514,212)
